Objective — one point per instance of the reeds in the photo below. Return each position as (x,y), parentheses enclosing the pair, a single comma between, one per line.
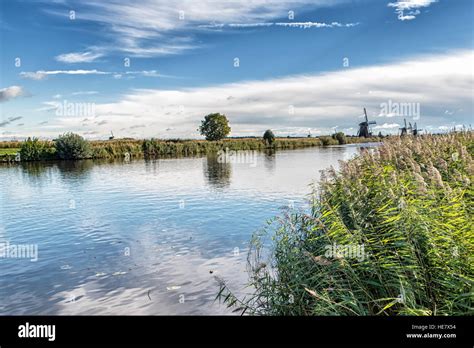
(406,208)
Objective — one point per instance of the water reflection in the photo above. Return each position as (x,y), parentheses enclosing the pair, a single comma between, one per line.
(269,160)
(83,215)
(35,169)
(218,175)
(75,169)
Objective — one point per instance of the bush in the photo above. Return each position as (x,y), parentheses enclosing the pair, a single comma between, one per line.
(269,137)
(215,127)
(391,233)
(72,146)
(341,138)
(35,150)
(325,141)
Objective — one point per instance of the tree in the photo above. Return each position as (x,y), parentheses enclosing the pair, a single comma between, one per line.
(215,127)
(269,137)
(72,146)
(341,138)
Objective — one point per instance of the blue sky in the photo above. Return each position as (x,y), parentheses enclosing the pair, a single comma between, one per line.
(292,66)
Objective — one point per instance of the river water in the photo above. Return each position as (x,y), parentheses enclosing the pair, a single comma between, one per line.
(141,237)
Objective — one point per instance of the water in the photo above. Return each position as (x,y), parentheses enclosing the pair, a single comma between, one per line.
(141,237)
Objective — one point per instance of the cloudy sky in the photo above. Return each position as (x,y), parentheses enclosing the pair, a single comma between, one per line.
(155,68)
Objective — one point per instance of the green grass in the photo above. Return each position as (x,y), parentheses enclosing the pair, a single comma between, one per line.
(405,210)
(9,151)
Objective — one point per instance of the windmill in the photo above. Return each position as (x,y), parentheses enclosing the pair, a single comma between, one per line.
(405,128)
(410,128)
(364,130)
(111,136)
(415,130)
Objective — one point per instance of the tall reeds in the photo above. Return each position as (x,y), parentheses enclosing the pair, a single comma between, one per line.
(390,233)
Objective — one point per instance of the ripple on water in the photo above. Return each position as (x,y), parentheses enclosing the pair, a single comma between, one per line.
(142,237)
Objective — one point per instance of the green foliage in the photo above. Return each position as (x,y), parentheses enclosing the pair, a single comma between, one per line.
(160,148)
(341,138)
(215,127)
(35,150)
(269,137)
(9,151)
(408,204)
(72,146)
(325,141)
(133,148)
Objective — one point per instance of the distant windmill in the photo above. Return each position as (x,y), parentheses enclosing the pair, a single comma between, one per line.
(405,128)
(415,130)
(364,130)
(111,136)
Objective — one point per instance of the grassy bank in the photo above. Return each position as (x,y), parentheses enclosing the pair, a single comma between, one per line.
(136,148)
(390,233)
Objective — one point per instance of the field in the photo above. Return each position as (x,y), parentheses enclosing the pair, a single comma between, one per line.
(9,151)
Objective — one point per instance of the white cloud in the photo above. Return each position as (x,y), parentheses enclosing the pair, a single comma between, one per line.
(78,57)
(134,25)
(42,74)
(49,106)
(85,93)
(11,93)
(302,25)
(305,25)
(295,104)
(409,9)
(145,73)
(387,126)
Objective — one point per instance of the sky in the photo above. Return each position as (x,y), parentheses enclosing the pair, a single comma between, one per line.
(155,68)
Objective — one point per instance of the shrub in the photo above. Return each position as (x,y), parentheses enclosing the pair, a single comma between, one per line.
(215,127)
(269,137)
(325,141)
(341,138)
(35,150)
(72,146)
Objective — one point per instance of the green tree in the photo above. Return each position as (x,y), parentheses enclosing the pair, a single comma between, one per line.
(269,137)
(215,127)
(72,146)
(341,138)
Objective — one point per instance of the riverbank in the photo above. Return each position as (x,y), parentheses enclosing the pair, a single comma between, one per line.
(390,233)
(137,148)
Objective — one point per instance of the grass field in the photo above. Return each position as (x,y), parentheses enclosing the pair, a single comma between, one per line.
(9,151)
